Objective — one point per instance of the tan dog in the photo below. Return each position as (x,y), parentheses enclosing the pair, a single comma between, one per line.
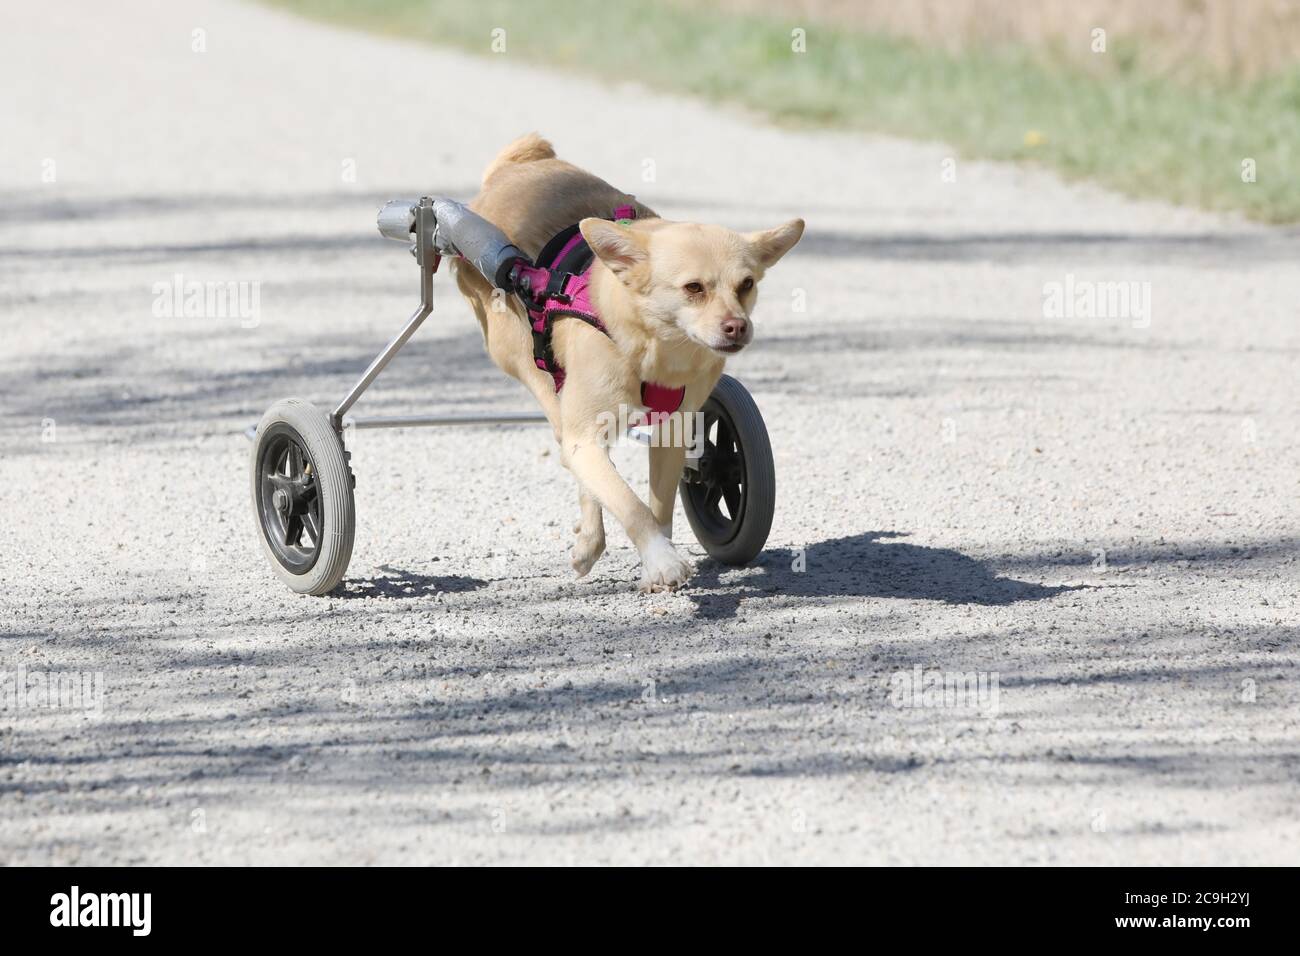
(675,298)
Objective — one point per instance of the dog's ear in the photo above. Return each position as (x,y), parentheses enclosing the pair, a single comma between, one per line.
(619,248)
(771,244)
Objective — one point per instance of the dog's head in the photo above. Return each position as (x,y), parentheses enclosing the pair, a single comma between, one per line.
(701,281)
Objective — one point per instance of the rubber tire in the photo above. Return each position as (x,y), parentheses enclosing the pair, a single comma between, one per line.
(334,480)
(760,474)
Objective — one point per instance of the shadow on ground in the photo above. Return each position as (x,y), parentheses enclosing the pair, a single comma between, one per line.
(870,564)
(399,701)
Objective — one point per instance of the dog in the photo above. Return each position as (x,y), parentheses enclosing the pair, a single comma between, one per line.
(675,300)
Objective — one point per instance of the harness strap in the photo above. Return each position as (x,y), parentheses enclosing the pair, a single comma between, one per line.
(563,276)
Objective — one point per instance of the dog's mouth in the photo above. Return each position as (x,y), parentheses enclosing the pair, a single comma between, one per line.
(726,348)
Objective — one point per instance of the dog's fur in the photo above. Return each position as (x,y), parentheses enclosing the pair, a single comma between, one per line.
(661,328)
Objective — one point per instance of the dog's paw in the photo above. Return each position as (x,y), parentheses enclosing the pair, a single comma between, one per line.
(586,552)
(662,568)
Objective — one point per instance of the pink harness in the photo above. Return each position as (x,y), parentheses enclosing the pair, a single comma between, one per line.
(559,286)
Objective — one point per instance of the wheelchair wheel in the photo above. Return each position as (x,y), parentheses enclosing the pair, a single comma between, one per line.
(302,497)
(730,498)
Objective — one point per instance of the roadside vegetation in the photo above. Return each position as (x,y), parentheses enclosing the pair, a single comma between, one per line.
(1145,116)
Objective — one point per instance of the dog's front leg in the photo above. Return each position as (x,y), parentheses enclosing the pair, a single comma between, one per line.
(662,568)
(667,459)
(590,531)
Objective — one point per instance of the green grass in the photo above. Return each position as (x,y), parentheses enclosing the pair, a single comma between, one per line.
(1177,139)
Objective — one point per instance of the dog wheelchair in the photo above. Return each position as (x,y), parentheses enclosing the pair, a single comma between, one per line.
(302,483)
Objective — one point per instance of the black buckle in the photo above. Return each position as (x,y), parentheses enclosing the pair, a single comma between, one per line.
(555,287)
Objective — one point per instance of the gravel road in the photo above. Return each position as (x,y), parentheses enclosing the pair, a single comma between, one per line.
(1094,517)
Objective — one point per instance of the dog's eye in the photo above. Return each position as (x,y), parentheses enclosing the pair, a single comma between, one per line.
(746,285)
(694,288)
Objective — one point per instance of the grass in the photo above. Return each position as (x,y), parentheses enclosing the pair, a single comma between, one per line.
(1143,134)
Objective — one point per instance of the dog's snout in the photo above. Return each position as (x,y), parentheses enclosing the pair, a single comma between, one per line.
(733,327)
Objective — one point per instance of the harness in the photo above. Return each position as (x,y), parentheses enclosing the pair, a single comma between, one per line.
(558,287)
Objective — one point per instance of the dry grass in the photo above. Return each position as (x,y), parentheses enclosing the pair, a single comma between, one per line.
(1228,38)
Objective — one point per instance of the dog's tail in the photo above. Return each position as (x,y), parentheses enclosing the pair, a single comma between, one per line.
(526,149)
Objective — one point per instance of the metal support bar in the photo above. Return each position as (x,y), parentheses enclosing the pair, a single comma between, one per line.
(377,366)
(425,421)
(428,260)
(473,418)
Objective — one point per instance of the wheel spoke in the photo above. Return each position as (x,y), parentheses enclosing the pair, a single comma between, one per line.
(736,471)
(295,460)
(712,495)
(292,530)
(726,443)
(313,527)
(731,494)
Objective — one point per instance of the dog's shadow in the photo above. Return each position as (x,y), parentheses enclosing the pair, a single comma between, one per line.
(870,564)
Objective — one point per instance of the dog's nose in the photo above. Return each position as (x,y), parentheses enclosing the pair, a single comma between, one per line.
(733,327)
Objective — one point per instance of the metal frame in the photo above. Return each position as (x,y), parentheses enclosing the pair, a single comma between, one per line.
(426,254)
(397,220)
